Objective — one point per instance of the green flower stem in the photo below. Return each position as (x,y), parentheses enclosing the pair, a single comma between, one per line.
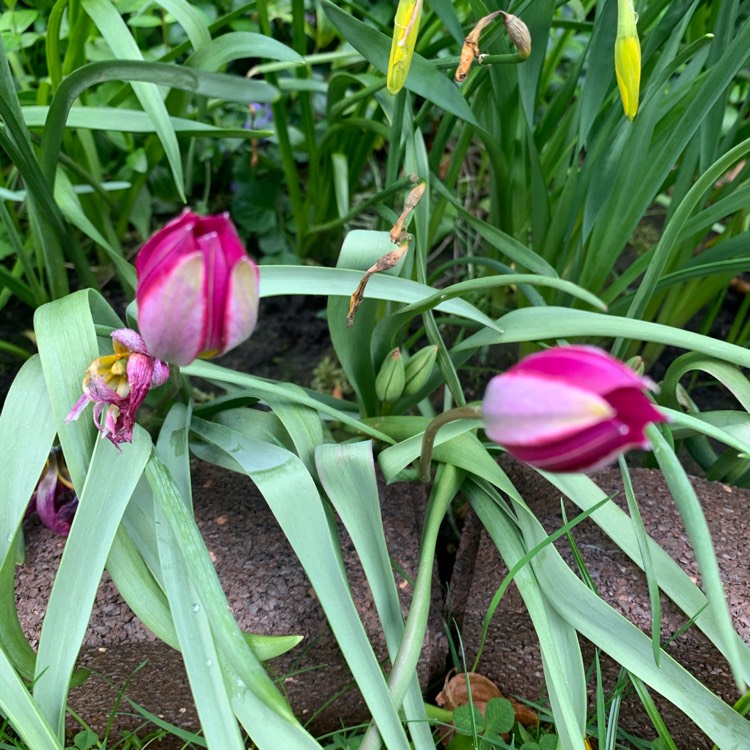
(509,58)
(285,146)
(393,163)
(299,44)
(428,441)
(447,483)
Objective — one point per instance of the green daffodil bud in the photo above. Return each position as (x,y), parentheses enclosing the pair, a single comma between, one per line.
(419,368)
(389,384)
(628,57)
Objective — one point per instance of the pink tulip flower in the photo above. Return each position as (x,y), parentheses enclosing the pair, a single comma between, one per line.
(197,289)
(569,409)
(118,383)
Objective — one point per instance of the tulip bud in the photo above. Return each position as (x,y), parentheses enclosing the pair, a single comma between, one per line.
(627,57)
(419,368)
(389,383)
(636,364)
(197,289)
(518,33)
(569,409)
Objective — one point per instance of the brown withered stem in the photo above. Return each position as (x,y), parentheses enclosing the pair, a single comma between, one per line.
(470,50)
(428,439)
(389,260)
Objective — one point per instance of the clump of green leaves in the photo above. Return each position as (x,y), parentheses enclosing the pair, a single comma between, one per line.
(477,732)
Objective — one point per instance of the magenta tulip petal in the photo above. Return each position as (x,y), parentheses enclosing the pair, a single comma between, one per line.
(242,304)
(602,372)
(173,240)
(195,295)
(589,450)
(172,315)
(569,408)
(533,409)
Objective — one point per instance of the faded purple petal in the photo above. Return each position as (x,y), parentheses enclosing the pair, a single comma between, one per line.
(53,501)
(140,374)
(99,391)
(130,339)
(161,373)
(77,410)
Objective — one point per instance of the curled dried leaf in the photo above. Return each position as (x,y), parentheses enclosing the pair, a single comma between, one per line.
(411,202)
(389,260)
(456,693)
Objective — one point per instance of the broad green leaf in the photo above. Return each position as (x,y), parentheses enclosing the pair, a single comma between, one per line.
(27,429)
(671,577)
(549,323)
(347,473)
(191,19)
(700,538)
(135,121)
(271,721)
(561,655)
(117,35)
(19,708)
(303,519)
(110,481)
(238,45)
(277,280)
(199,652)
(611,632)
(68,344)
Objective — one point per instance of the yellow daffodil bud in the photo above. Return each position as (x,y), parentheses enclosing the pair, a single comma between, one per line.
(405,28)
(390,381)
(628,57)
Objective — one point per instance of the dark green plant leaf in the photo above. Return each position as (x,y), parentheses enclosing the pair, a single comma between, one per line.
(424,78)
(499,715)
